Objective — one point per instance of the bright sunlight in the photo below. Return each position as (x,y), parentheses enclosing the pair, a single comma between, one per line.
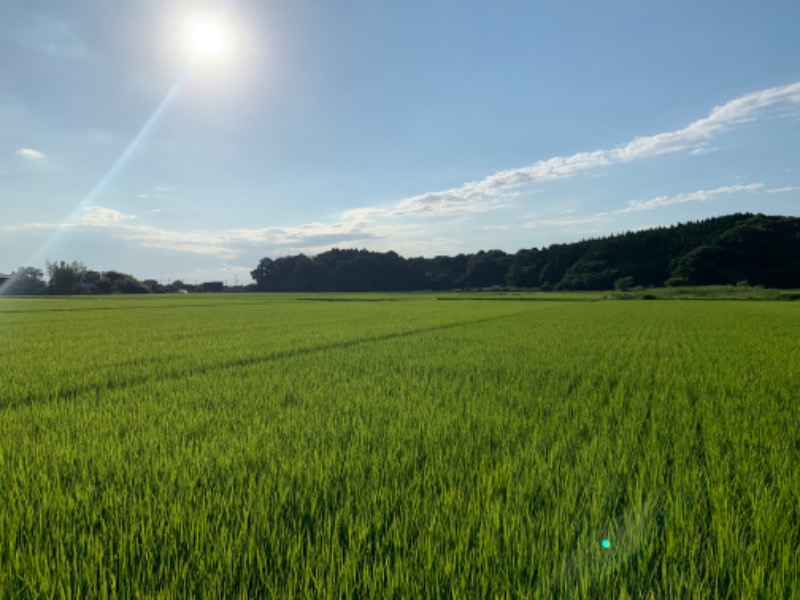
(207,39)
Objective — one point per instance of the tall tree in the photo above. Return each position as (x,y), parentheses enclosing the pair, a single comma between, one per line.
(26,281)
(65,278)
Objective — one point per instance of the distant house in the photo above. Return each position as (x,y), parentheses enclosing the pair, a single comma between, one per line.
(4,279)
(213,286)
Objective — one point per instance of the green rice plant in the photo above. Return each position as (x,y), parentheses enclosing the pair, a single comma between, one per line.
(273,446)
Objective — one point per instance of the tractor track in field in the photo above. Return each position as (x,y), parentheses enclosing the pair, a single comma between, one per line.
(191,370)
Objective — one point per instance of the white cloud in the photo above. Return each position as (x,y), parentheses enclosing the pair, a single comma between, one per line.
(362,224)
(315,236)
(226,244)
(99,216)
(29,227)
(91,216)
(229,243)
(791,188)
(487,194)
(30,154)
(482,195)
(193,242)
(642,205)
(567,221)
(704,149)
(159,191)
(381,227)
(739,110)
(696,196)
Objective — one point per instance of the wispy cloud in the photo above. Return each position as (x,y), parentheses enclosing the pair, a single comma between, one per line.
(193,242)
(568,221)
(401,224)
(434,204)
(63,41)
(486,194)
(231,243)
(309,234)
(228,243)
(705,149)
(29,227)
(643,205)
(100,216)
(696,196)
(30,154)
(783,190)
(157,192)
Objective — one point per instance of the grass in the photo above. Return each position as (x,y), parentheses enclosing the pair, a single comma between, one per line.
(710,292)
(273,446)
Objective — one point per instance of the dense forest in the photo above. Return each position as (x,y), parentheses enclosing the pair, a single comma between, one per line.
(734,249)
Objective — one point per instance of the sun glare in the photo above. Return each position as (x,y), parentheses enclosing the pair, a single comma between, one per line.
(207,39)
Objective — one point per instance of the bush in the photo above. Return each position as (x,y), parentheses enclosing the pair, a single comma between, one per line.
(623,284)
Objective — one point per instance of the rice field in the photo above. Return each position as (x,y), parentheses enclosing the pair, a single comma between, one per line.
(398,446)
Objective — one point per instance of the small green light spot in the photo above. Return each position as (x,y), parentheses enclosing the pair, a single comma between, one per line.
(606,544)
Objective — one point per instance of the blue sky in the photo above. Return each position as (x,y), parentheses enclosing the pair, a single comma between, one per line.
(428,128)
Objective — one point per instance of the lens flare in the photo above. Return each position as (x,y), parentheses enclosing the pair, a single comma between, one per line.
(208,40)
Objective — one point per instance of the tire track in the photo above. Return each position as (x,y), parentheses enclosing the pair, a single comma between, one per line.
(73,392)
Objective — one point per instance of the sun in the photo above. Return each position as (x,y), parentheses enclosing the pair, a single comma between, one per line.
(207,39)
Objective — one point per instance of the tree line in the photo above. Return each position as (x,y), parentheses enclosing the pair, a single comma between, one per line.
(742,248)
(70,278)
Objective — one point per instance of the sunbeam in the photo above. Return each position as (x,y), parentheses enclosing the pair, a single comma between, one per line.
(123,158)
(208,40)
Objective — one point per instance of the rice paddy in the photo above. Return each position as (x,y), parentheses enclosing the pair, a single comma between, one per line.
(246,446)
